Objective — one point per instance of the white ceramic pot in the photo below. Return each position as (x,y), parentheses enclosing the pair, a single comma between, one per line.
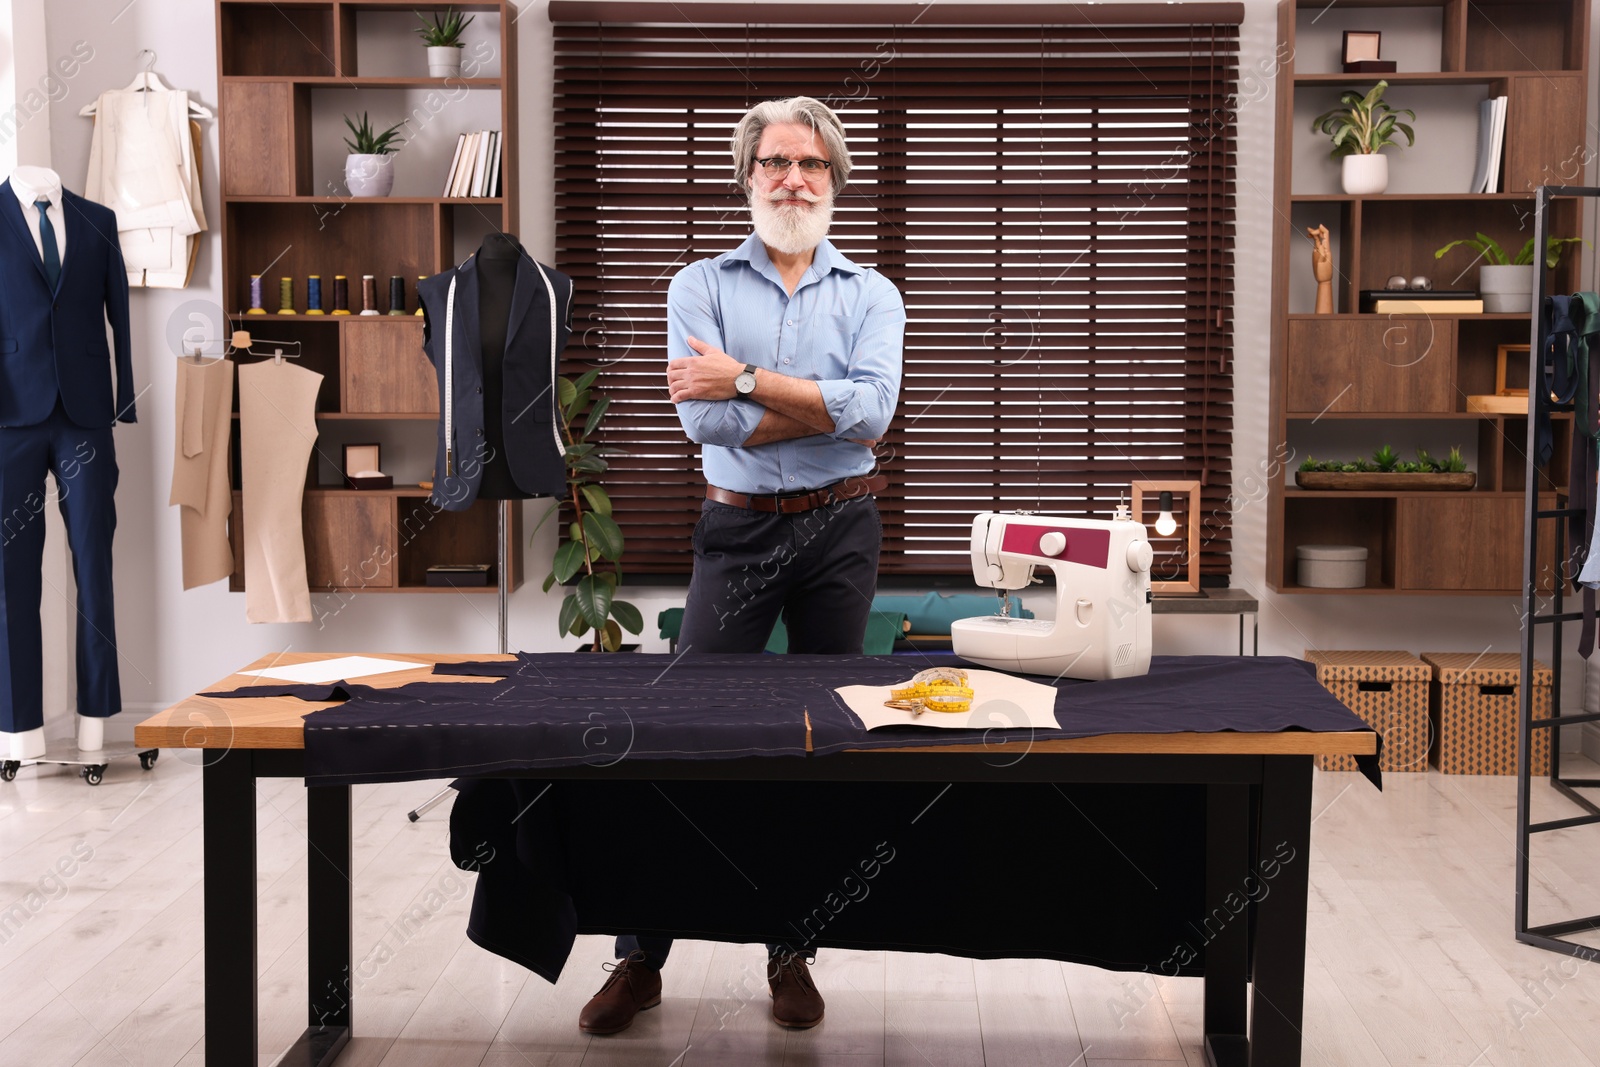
(1507,288)
(444,61)
(1366,175)
(369,175)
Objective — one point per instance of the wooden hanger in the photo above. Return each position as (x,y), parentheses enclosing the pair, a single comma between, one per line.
(147,80)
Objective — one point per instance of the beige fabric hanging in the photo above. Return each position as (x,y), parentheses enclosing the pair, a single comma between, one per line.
(277,429)
(200,487)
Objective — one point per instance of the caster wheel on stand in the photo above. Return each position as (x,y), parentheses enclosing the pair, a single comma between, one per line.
(8,770)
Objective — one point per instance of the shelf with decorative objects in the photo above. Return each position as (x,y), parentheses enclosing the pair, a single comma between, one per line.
(1380,314)
(308,89)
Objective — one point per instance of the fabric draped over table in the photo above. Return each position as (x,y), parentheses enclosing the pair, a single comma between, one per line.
(1110,875)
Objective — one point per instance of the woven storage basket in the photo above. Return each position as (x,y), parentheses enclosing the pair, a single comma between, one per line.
(1389,690)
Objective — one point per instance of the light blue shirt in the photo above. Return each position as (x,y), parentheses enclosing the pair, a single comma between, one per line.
(842,329)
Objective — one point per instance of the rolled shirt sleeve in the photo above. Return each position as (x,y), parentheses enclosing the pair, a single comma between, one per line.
(862,404)
(727,423)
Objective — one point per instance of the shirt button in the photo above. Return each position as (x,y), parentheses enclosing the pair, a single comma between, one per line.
(788,322)
(791,477)
(786,359)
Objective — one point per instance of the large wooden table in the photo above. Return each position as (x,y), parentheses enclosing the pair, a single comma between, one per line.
(1254,980)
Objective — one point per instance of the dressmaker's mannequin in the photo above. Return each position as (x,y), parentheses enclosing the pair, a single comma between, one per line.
(63,279)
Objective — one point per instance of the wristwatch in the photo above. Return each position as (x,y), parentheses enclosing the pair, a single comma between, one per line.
(745,383)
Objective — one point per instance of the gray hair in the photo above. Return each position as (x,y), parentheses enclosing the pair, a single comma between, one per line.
(800,111)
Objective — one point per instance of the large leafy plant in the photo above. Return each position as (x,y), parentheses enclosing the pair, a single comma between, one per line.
(369,142)
(590,547)
(1490,252)
(1363,123)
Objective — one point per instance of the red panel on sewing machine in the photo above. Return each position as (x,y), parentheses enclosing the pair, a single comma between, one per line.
(1085,545)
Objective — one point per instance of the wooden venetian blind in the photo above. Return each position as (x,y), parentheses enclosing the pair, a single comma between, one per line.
(1054,202)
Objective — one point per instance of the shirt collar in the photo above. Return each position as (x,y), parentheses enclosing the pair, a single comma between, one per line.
(31,183)
(826,259)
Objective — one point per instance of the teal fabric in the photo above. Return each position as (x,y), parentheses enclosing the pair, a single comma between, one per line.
(883,629)
(932,613)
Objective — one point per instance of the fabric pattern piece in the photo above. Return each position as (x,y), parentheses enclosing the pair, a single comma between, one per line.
(277,428)
(200,489)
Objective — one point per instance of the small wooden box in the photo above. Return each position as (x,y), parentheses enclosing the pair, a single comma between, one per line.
(1389,690)
(1473,708)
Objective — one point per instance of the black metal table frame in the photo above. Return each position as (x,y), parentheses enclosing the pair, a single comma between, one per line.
(1274,956)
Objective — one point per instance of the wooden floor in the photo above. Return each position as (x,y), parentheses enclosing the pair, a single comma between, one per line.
(1411,958)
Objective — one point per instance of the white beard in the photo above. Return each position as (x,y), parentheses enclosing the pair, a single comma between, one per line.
(791,229)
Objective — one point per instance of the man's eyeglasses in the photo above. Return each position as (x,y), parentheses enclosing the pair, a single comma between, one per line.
(777,166)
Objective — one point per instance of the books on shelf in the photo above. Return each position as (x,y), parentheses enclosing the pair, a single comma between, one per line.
(475,170)
(1491,145)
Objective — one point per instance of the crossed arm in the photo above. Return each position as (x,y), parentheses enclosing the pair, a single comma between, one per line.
(792,407)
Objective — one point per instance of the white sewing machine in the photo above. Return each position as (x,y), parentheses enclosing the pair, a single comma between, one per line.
(1102,575)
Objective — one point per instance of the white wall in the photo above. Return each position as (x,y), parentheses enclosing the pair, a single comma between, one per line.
(174,642)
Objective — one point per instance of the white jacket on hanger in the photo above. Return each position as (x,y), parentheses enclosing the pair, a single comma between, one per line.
(142,165)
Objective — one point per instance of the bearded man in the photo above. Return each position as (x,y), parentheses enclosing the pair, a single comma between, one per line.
(784,364)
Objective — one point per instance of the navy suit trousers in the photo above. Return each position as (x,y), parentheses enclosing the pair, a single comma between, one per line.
(818,568)
(84,463)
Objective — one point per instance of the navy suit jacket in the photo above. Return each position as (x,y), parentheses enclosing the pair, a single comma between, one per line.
(54,343)
(528,407)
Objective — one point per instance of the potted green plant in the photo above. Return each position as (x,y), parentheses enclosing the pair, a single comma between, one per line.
(1505,282)
(1361,127)
(590,546)
(369,168)
(442,36)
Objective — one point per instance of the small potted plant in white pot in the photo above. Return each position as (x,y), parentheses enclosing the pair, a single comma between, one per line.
(442,35)
(369,168)
(1506,283)
(1361,127)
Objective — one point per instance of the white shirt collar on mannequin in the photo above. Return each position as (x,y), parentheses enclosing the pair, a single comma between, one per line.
(30,183)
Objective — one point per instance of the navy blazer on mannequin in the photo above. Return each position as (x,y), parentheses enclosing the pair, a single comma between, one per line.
(48,346)
(528,406)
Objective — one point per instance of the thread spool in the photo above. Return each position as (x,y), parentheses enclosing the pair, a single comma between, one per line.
(255,296)
(369,294)
(341,295)
(314,294)
(397,295)
(286,296)
(420,279)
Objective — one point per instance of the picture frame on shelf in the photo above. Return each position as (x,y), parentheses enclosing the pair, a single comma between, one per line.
(1502,357)
(1184,496)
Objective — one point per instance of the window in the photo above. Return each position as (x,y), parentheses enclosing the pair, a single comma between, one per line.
(1054,202)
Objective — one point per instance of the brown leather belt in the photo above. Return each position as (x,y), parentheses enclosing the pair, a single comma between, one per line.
(790,503)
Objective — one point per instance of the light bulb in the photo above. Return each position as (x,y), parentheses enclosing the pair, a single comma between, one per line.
(1166,525)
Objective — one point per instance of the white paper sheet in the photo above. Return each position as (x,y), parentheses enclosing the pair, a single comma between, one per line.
(319,671)
(999,701)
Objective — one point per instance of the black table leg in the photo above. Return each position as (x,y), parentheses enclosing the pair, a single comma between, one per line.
(1279,948)
(329,905)
(1229,890)
(229,832)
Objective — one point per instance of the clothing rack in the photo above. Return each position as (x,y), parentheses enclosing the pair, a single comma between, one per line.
(1547,935)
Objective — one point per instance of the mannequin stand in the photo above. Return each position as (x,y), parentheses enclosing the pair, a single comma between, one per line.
(503,570)
(64,752)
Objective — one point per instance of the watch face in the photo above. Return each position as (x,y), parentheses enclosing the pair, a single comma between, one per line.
(745,382)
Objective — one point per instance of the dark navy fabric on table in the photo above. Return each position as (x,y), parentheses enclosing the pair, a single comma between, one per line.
(554,710)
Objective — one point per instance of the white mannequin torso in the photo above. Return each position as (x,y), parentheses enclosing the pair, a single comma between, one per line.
(31,183)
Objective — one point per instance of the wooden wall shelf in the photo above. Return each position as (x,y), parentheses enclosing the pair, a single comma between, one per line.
(1330,372)
(276,61)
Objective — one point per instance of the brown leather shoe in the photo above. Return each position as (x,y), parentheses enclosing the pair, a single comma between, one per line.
(631,988)
(795,1000)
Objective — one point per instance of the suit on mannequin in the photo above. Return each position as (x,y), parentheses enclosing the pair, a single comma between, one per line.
(507,319)
(62,274)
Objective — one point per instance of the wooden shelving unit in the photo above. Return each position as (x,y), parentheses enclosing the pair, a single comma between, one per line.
(1415,370)
(285,214)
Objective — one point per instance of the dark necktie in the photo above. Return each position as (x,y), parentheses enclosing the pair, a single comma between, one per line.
(47,238)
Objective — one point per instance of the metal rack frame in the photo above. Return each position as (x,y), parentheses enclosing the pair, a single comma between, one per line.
(1548,935)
